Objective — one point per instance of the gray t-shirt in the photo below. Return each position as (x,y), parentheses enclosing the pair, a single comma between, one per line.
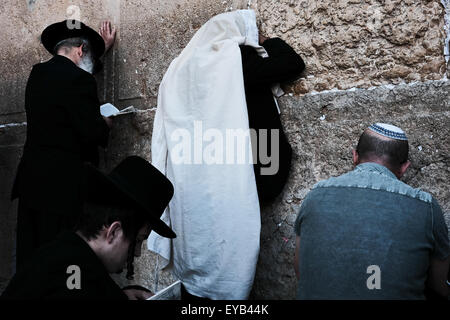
(367,235)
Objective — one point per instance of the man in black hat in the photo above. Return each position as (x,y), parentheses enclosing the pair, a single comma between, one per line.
(64,129)
(120,211)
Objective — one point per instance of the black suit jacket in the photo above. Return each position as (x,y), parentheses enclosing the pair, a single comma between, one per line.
(64,129)
(45,275)
(260,74)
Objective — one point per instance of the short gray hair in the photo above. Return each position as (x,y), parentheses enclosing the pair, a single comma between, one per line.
(69,43)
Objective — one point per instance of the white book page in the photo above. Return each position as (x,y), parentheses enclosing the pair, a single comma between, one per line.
(108,110)
(172,292)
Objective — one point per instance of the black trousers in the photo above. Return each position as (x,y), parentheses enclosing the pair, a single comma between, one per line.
(36,228)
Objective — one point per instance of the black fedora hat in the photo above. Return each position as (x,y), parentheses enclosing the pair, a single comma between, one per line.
(134,183)
(59,31)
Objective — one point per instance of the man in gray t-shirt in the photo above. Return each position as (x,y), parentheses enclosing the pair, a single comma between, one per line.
(366,234)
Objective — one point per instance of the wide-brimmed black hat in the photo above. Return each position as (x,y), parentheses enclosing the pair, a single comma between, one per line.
(59,31)
(134,183)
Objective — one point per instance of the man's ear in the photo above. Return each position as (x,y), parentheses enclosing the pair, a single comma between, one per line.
(355,157)
(114,231)
(403,168)
(79,51)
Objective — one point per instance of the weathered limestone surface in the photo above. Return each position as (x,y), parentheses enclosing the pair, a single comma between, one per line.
(21,24)
(360,43)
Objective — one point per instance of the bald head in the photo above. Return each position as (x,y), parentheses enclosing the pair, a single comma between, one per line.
(379,148)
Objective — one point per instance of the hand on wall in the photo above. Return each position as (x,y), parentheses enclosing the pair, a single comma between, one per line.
(108,34)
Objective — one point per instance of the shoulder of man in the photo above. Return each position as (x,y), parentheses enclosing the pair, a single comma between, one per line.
(63,67)
(65,269)
(355,179)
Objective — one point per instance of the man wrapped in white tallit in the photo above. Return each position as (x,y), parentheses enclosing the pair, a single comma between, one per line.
(215,210)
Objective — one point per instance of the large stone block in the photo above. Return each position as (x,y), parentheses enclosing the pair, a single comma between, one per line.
(152,34)
(130,135)
(13,134)
(350,43)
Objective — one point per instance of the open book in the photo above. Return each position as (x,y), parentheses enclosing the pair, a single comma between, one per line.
(108,110)
(172,292)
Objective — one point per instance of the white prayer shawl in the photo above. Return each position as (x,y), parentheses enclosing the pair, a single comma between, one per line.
(215,210)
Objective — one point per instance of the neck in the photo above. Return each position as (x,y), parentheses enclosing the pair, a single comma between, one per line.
(382,163)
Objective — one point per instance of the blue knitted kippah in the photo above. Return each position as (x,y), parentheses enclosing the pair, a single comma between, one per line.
(389,131)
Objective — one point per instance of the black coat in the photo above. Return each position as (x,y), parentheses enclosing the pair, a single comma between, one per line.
(260,74)
(45,275)
(64,129)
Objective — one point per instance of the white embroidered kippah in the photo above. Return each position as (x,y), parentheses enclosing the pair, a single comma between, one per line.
(388,130)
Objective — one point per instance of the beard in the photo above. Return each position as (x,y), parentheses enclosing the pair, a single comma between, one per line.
(86,64)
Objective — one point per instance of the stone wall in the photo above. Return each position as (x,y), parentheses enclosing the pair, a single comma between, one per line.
(367,61)
(360,43)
